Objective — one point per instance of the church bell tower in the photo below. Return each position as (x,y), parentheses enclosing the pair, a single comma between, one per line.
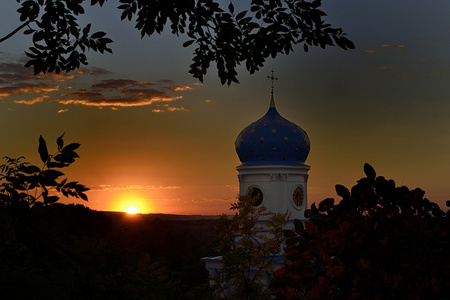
(273,152)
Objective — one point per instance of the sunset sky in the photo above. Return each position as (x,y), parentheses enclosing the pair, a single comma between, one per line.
(155,138)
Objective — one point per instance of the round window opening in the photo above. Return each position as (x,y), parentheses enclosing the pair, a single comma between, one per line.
(257,196)
(298,196)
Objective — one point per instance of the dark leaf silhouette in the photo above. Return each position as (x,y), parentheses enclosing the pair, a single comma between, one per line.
(29,169)
(43,152)
(326,204)
(342,191)
(370,172)
(298,225)
(60,142)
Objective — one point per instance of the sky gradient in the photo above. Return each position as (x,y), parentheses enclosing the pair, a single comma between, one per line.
(154,137)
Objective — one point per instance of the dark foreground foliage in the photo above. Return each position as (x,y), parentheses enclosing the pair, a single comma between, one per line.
(71,252)
(379,242)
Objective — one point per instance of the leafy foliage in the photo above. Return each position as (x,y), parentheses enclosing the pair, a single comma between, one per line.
(222,35)
(248,246)
(379,242)
(23,183)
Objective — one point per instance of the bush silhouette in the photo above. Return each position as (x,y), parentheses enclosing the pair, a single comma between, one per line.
(379,242)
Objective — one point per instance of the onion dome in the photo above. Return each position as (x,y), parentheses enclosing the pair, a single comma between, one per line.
(272,140)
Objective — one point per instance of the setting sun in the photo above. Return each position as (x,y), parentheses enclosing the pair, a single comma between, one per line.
(132,203)
(132,210)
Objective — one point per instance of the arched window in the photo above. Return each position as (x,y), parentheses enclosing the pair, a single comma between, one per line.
(297,196)
(257,195)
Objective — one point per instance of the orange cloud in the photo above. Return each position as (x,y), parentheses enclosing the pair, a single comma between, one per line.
(180,88)
(60,76)
(147,83)
(14,90)
(171,109)
(117,92)
(31,101)
(88,101)
(16,80)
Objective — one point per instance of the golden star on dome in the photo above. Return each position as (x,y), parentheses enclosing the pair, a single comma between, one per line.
(285,139)
(261,139)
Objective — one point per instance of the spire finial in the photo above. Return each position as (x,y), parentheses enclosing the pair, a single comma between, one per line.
(272,79)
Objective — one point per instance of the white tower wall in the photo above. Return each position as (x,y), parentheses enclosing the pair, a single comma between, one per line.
(277,184)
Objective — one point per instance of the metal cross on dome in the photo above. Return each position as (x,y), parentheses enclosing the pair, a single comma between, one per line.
(273,79)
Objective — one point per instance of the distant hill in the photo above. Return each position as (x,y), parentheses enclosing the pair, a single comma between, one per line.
(163,217)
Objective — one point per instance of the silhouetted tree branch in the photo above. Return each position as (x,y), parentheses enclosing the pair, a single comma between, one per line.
(15,31)
(222,35)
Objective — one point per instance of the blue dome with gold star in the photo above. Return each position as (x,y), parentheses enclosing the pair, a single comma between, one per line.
(272,140)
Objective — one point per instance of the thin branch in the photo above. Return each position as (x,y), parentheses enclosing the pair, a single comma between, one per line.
(15,31)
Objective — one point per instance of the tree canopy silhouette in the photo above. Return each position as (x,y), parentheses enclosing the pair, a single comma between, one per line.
(222,35)
(379,242)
